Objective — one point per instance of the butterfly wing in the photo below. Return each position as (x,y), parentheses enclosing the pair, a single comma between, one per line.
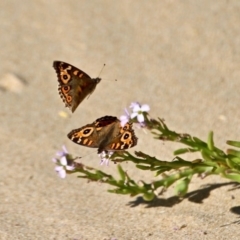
(93,135)
(124,139)
(74,84)
(85,136)
(106,134)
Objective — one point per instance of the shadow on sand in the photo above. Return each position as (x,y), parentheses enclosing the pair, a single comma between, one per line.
(196,196)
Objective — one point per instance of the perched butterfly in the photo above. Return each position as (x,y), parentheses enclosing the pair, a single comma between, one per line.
(74,84)
(106,134)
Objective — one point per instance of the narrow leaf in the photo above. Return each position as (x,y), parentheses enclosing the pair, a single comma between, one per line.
(143,167)
(233,152)
(121,172)
(234,143)
(210,141)
(184,150)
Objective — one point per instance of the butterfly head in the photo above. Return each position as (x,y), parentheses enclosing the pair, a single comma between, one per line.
(97,80)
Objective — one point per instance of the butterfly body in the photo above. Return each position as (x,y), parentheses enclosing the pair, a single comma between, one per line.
(106,134)
(74,84)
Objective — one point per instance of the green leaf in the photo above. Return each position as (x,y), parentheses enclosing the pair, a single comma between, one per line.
(207,158)
(235,159)
(119,191)
(184,150)
(121,172)
(199,141)
(161,170)
(182,186)
(177,161)
(169,180)
(233,152)
(210,142)
(234,177)
(232,164)
(234,143)
(143,167)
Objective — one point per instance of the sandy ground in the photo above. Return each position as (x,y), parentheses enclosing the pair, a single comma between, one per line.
(180,57)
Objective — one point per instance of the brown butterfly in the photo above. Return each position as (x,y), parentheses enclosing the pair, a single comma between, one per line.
(106,134)
(74,84)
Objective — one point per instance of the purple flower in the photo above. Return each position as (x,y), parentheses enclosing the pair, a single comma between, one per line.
(62,153)
(64,164)
(105,156)
(138,112)
(124,118)
(134,104)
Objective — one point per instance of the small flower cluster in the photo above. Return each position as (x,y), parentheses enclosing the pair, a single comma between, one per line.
(138,114)
(105,156)
(65,164)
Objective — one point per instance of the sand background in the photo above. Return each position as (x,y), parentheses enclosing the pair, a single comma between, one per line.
(180,57)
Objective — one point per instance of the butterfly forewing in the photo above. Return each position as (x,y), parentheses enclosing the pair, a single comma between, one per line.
(84,136)
(74,84)
(104,121)
(59,65)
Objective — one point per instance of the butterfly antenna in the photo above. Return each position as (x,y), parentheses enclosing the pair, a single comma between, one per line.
(101,70)
(88,154)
